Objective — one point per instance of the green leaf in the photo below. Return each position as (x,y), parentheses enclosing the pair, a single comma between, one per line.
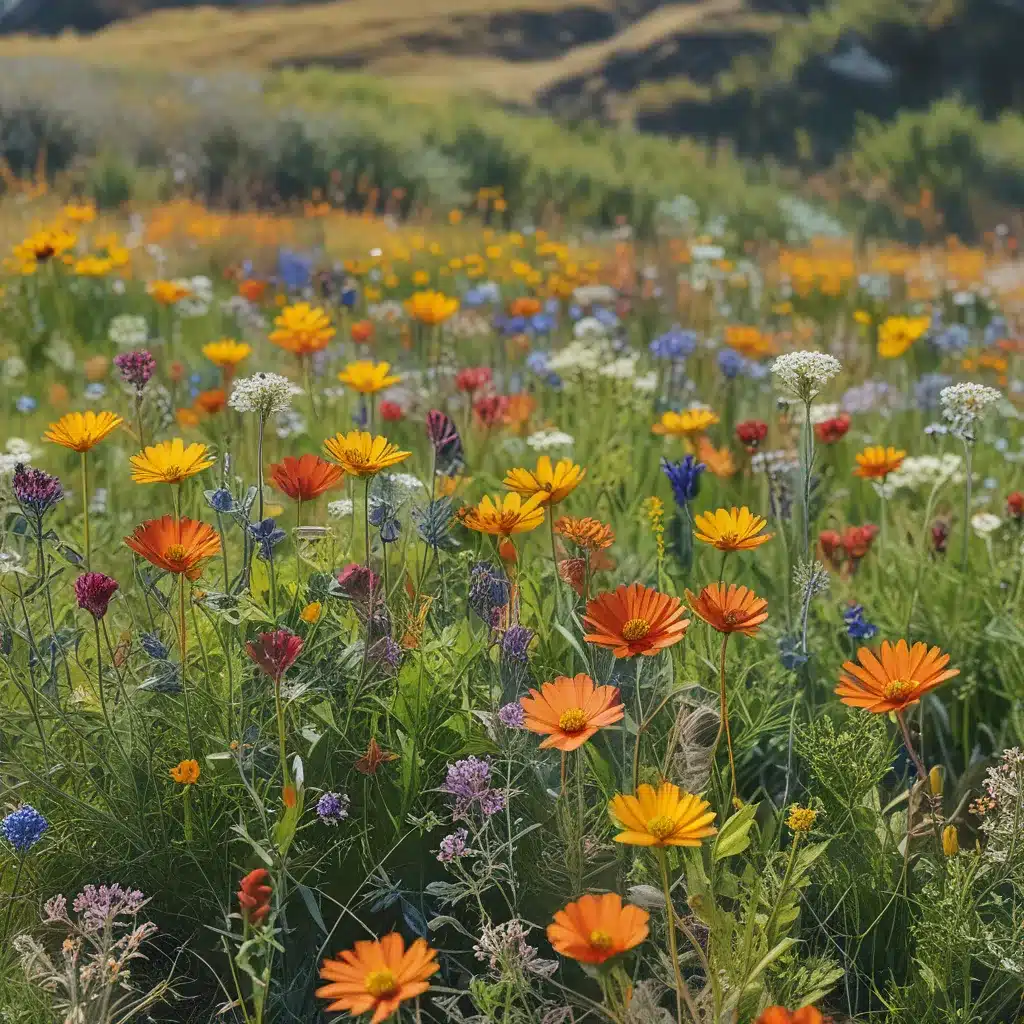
(734,836)
(311,906)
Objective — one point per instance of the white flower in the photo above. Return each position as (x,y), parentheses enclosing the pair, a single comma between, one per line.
(542,440)
(406,482)
(918,471)
(14,367)
(578,357)
(339,509)
(985,523)
(20,447)
(589,327)
(646,382)
(267,394)
(804,374)
(200,295)
(964,404)
(589,294)
(128,330)
(623,368)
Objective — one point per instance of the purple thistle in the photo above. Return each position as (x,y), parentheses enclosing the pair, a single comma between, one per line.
(332,808)
(445,440)
(515,643)
(453,846)
(512,715)
(35,490)
(469,781)
(136,368)
(93,591)
(489,590)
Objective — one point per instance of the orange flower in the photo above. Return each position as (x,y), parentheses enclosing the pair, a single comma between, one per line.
(302,329)
(377,976)
(185,773)
(895,678)
(877,461)
(635,620)
(252,290)
(732,610)
(666,816)
(735,529)
(569,711)
(596,928)
(587,533)
(305,478)
(178,547)
(780,1015)
(718,460)
(211,402)
(81,431)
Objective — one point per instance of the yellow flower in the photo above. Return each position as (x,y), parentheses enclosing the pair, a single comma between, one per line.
(45,245)
(420,278)
(311,613)
(552,484)
(878,461)
(666,816)
(862,316)
(950,841)
(302,329)
(227,353)
(185,772)
(93,266)
(362,454)
(81,431)
(431,307)
(80,213)
(731,529)
(898,333)
(170,462)
(367,377)
(801,819)
(446,486)
(167,293)
(501,517)
(686,423)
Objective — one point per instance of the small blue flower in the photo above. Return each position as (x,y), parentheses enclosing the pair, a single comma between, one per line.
(684,476)
(952,339)
(857,627)
(349,294)
(515,643)
(25,404)
(220,500)
(731,363)
(384,516)
(675,344)
(95,391)
(154,647)
(537,362)
(268,535)
(994,330)
(24,828)
(790,653)
(294,270)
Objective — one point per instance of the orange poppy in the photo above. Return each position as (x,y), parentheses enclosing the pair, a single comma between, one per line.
(377,976)
(211,402)
(305,478)
(780,1015)
(729,610)
(593,929)
(567,712)
(895,678)
(178,547)
(635,620)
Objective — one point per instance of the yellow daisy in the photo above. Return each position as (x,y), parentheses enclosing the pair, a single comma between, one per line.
(170,462)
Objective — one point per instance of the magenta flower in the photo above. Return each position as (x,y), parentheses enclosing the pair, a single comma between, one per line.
(275,652)
(94,591)
(136,368)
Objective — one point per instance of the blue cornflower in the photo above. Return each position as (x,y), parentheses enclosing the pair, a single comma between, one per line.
(537,361)
(952,339)
(684,476)
(857,627)
(268,535)
(95,391)
(294,270)
(542,323)
(674,344)
(731,363)
(384,516)
(349,294)
(220,500)
(154,647)
(25,404)
(23,828)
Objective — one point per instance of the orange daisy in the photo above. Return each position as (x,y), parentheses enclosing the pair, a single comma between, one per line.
(729,610)
(666,816)
(305,478)
(735,529)
(593,929)
(567,712)
(895,678)
(635,620)
(377,976)
(589,534)
(81,431)
(178,547)
(876,461)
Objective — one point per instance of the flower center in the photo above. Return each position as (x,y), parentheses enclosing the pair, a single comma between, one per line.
(381,984)
(175,553)
(900,688)
(572,720)
(731,618)
(357,458)
(661,827)
(600,940)
(635,629)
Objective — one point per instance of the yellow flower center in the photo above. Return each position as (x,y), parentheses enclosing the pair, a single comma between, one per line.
(900,688)
(175,553)
(600,940)
(381,984)
(662,826)
(635,629)
(572,720)
(356,458)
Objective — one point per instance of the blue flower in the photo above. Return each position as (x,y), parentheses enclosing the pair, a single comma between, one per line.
(384,516)
(537,362)
(684,477)
(790,653)
(731,363)
(857,627)
(433,523)
(994,330)
(220,500)
(349,294)
(515,643)
(267,534)
(674,344)
(294,270)
(952,339)
(24,828)
(154,647)
(25,404)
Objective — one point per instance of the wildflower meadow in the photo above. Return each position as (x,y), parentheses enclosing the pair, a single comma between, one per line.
(445,618)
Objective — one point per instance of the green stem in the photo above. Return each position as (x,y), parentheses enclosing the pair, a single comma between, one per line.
(13,896)
(723,724)
(183,649)
(967,507)
(682,992)
(85,506)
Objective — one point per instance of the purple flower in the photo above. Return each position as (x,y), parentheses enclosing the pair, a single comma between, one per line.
(515,643)
(512,715)
(332,808)
(94,591)
(469,781)
(136,368)
(99,907)
(454,846)
(35,490)
(488,590)
(385,652)
(445,440)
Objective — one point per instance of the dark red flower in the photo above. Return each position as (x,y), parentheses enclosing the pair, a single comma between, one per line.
(254,893)
(857,540)
(391,412)
(940,536)
(1015,504)
(490,410)
(275,652)
(831,543)
(751,433)
(830,431)
(473,378)
(94,591)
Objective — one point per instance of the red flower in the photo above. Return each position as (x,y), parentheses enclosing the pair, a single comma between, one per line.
(857,540)
(304,478)
(254,895)
(490,410)
(362,332)
(473,378)
(830,431)
(831,547)
(275,652)
(940,536)
(391,412)
(751,433)
(1015,504)
(93,591)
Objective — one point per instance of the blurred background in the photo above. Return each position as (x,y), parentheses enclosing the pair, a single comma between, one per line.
(899,118)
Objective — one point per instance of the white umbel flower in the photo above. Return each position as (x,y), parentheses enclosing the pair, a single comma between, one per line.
(266,394)
(985,523)
(339,509)
(964,404)
(804,374)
